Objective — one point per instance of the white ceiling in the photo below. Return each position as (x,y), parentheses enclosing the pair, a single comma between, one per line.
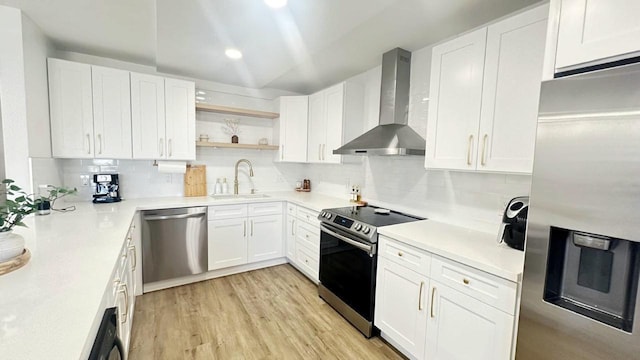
(302,47)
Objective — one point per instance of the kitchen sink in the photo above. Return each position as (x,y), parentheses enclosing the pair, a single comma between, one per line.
(238,196)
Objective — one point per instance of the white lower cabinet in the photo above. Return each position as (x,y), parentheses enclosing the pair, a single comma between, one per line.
(227,243)
(471,317)
(461,327)
(303,240)
(401,306)
(236,238)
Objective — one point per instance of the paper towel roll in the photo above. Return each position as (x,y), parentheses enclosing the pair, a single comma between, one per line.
(175,167)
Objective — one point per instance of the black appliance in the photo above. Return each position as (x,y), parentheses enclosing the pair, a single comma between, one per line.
(514,223)
(107,345)
(348,260)
(107,188)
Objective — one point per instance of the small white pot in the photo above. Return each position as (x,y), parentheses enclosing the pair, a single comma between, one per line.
(11,245)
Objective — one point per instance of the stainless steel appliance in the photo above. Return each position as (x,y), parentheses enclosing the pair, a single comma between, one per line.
(580,285)
(393,135)
(107,345)
(514,223)
(348,259)
(174,243)
(107,188)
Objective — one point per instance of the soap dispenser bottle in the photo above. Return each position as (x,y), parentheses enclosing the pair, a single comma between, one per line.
(225,186)
(218,188)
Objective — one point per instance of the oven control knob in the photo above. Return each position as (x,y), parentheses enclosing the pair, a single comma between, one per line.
(322,214)
(366,230)
(328,216)
(358,227)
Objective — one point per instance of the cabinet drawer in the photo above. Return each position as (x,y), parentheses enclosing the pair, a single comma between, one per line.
(490,289)
(309,237)
(291,209)
(307,261)
(405,255)
(310,216)
(227,211)
(268,208)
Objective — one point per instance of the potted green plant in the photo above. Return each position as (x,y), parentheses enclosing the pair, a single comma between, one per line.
(15,208)
(45,204)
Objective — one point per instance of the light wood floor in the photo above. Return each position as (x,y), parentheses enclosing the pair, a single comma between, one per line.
(272,313)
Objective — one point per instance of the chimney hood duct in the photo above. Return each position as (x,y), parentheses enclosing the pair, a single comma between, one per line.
(392,136)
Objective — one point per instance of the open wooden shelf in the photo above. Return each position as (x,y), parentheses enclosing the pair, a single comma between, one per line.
(236,146)
(236,111)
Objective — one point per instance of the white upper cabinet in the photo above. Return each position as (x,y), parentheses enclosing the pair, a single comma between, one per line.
(71,109)
(294,113)
(592,32)
(111,113)
(335,117)
(511,91)
(484,93)
(180,112)
(454,107)
(148,117)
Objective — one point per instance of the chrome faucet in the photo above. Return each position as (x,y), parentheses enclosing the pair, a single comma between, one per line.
(235,181)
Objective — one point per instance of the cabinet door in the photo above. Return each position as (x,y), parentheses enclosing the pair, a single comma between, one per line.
(71,109)
(290,245)
(111,113)
(401,306)
(461,327)
(265,238)
(148,116)
(454,108)
(597,31)
(511,90)
(294,113)
(180,105)
(334,102)
(317,127)
(227,240)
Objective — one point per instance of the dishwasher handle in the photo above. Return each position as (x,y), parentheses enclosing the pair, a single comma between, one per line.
(171,217)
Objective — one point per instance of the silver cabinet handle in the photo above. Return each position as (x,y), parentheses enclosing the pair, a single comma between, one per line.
(483,160)
(251,227)
(433,296)
(320,152)
(282,152)
(88,143)
(324,148)
(100,144)
(161,146)
(293,226)
(245,228)
(123,290)
(470,145)
(170,147)
(420,296)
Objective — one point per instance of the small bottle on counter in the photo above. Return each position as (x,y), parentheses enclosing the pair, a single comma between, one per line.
(225,186)
(218,187)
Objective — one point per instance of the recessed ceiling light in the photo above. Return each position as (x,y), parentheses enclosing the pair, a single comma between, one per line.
(276,3)
(233,53)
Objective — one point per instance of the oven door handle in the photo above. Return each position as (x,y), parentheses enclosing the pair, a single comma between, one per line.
(370,249)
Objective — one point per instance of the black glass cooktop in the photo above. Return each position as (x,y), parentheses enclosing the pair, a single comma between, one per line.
(368,215)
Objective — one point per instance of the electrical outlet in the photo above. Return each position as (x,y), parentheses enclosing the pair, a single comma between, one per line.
(85,180)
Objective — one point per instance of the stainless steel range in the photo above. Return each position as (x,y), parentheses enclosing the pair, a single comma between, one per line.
(348,259)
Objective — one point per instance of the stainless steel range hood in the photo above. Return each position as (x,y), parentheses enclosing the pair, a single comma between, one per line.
(392,136)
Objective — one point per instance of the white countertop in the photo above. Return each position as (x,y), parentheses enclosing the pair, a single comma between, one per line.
(48,307)
(476,249)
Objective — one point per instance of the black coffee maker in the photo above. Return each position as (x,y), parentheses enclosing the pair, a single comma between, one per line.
(514,223)
(107,188)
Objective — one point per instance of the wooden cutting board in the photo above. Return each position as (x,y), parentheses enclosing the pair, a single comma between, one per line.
(195,180)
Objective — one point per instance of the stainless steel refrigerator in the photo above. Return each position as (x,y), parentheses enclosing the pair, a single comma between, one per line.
(580,285)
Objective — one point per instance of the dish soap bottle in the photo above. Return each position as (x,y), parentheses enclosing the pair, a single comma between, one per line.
(225,186)
(218,188)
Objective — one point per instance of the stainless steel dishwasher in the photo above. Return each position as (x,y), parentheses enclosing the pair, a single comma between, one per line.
(174,243)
